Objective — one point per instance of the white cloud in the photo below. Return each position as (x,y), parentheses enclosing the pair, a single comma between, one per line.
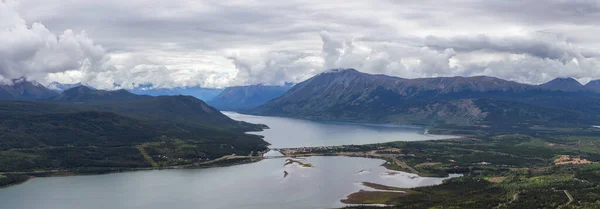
(216,44)
(33,51)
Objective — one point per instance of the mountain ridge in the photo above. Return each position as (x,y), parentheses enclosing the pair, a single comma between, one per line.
(205,94)
(180,109)
(355,96)
(84,93)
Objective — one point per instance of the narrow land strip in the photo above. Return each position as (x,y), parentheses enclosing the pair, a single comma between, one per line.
(146,156)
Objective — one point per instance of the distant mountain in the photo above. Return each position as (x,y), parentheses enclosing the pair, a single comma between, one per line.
(346,94)
(60,87)
(186,109)
(87,94)
(593,85)
(563,84)
(22,89)
(205,94)
(247,97)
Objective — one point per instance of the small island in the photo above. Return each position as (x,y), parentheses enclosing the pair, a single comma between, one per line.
(292,161)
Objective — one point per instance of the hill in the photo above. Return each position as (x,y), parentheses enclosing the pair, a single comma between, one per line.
(93,131)
(180,109)
(247,97)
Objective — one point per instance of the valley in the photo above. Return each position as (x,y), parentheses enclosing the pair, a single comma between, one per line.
(462,104)
(413,143)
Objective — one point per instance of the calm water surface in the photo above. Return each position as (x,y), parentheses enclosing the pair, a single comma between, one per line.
(258,185)
(289,133)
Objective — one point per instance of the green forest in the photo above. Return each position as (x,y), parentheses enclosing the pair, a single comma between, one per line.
(40,137)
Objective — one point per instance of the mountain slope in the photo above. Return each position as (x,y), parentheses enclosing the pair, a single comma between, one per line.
(246,97)
(37,135)
(353,96)
(593,85)
(22,89)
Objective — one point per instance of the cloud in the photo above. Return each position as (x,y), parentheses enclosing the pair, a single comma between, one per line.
(344,52)
(542,45)
(530,58)
(215,43)
(33,51)
(274,68)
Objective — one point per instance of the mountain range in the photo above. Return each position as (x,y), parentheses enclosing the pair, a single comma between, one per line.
(247,97)
(349,95)
(205,94)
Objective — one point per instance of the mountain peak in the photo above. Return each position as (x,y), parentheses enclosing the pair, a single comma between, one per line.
(80,89)
(60,87)
(22,88)
(566,84)
(565,79)
(24,80)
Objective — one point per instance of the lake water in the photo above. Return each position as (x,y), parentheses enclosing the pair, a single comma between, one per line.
(290,133)
(257,185)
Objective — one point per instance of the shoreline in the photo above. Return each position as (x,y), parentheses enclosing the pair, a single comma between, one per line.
(17,183)
(354,198)
(237,160)
(102,171)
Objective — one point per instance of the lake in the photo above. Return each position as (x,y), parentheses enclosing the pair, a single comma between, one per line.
(254,186)
(290,133)
(257,185)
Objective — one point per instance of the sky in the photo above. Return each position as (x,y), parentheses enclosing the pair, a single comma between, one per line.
(218,43)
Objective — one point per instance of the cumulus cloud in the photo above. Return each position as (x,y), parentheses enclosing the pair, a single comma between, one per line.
(214,43)
(346,52)
(274,68)
(543,56)
(34,51)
